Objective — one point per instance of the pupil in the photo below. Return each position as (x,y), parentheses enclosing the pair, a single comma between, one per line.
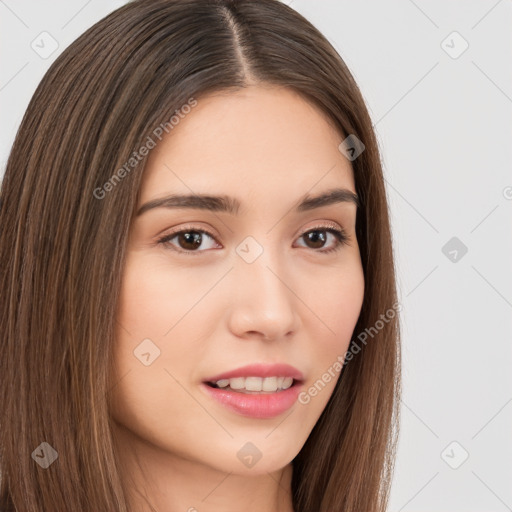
(194,240)
(314,237)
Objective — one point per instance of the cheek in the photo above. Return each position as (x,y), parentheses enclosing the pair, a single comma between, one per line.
(335,307)
(154,356)
(156,304)
(155,297)
(141,308)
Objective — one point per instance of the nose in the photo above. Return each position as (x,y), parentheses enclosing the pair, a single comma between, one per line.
(263,302)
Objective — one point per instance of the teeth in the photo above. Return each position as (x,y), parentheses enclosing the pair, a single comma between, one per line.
(287,382)
(256,383)
(269,384)
(237,383)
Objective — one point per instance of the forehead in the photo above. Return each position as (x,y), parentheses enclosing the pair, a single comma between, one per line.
(261,141)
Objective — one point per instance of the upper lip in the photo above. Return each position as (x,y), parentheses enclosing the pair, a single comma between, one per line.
(260,370)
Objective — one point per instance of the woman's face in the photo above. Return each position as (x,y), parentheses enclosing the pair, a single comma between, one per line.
(267,283)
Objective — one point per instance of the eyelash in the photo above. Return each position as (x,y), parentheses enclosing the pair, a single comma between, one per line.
(339,234)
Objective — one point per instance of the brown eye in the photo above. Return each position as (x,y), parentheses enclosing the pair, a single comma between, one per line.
(317,237)
(188,240)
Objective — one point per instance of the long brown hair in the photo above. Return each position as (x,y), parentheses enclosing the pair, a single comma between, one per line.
(62,248)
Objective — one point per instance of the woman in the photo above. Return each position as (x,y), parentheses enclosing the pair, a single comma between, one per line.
(199,301)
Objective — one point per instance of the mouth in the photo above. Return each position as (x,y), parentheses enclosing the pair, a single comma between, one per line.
(254,397)
(255,385)
(256,390)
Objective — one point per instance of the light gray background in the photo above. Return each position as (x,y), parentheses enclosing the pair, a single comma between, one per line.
(444,126)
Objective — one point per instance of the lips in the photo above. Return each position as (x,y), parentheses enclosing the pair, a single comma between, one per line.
(257,405)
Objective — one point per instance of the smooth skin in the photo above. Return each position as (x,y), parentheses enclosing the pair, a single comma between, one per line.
(209,311)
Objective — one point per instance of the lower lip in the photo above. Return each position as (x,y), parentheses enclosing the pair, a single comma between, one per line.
(264,405)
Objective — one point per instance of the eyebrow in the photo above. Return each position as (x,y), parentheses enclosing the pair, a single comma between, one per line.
(227,204)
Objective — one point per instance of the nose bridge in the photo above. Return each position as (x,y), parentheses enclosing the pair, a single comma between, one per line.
(263,301)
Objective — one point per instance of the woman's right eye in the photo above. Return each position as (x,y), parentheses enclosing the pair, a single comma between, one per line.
(189,240)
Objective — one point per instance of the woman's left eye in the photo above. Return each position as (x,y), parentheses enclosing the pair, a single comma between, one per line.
(317,235)
(190,240)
